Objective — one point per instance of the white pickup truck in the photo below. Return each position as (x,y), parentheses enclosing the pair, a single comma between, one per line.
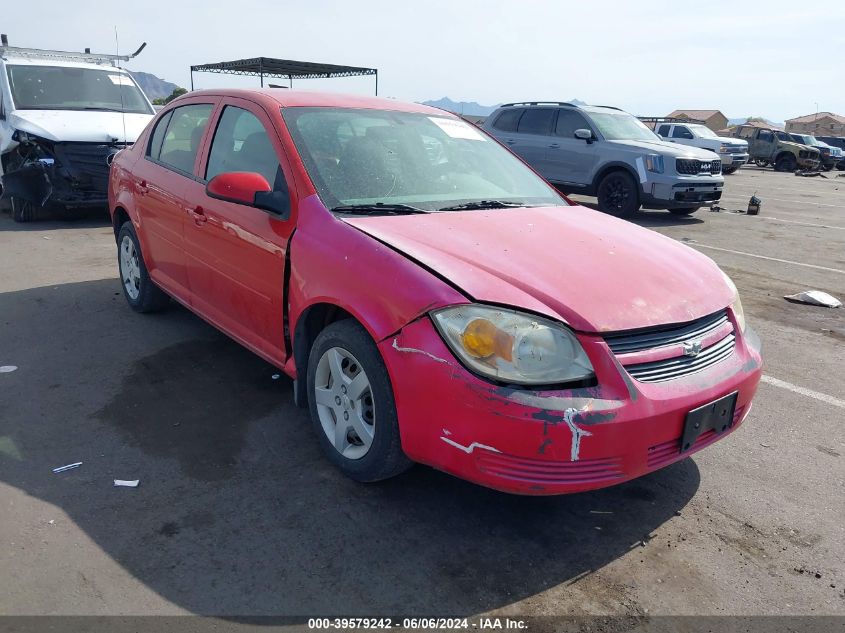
(732,151)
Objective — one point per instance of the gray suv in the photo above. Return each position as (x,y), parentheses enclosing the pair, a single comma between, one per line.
(608,153)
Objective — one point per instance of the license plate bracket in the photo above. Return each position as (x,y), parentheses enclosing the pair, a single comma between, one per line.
(717,415)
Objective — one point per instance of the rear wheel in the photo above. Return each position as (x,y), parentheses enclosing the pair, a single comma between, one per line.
(761,162)
(786,162)
(617,194)
(352,407)
(683,211)
(729,170)
(140,291)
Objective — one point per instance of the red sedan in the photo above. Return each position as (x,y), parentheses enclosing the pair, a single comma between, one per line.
(433,299)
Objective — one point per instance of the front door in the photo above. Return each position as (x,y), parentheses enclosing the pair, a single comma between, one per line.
(236,253)
(570,159)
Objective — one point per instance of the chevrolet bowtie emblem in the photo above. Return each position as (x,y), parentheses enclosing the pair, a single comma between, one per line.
(692,348)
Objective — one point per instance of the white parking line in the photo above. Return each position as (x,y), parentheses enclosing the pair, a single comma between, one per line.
(798,222)
(771,259)
(823,397)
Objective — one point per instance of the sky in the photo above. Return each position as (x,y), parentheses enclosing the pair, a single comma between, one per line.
(778,59)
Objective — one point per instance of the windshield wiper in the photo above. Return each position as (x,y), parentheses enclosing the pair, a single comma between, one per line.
(483,204)
(378,208)
(99,109)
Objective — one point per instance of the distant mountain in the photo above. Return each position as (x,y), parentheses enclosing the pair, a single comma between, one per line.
(760,119)
(152,86)
(472,108)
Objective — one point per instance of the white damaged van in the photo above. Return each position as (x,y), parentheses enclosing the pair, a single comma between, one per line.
(63,116)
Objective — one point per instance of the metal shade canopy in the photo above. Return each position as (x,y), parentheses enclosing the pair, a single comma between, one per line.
(271,67)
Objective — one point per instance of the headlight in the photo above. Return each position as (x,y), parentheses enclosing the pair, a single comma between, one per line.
(654,163)
(511,346)
(723,149)
(736,306)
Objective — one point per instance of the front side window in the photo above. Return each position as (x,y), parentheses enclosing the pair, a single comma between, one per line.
(536,121)
(366,157)
(663,130)
(241,144)
(766,136)
(681,132)
(568,121)
(73,88)
(183,136)
(621,126)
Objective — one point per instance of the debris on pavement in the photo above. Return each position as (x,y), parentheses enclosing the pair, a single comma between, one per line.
(8,369)
(809,174)
(715,208)
(276,376)
(62,469)
(754,205)
(127,483)
(814,297)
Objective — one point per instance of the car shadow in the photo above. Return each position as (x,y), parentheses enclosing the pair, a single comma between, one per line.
(237,512)
(651,218)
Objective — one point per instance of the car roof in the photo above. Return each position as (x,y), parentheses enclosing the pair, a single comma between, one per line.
(12,60)
(565,104)
(301,98)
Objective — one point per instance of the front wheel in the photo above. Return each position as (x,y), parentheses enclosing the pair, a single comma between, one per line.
(729,170)
(761,162)
(22,210)
(140,291)
(617,194)
(684,211)
(786,162)
(352,407)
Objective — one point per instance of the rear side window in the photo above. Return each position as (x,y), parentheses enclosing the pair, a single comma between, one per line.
(663,130)
(154,148)
(241,144)
(681,132)
(536,121)
(568,121)
(508,120)
(184,134)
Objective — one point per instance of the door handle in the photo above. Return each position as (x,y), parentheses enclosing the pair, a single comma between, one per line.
(510,141)
(141,187)
(198,215)
(553,146)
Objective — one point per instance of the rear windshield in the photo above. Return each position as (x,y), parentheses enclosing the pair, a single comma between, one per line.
(366,156)
(69,88)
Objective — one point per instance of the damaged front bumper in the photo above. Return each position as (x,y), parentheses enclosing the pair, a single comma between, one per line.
(66,174)
(553,442)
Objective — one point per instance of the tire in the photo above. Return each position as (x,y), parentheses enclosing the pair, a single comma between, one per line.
(729,170)
(683,211)
(761,162)
(786,162)
(827,167)
(140,291)
(617,194)
(23,210)
(368,431)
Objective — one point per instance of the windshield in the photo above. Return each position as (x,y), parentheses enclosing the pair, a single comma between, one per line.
(369,157)
(70,88)
(703,131)
(621,126)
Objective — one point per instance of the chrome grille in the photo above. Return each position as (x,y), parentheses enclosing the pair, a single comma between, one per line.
(680,365)
(661,370)
(633,342)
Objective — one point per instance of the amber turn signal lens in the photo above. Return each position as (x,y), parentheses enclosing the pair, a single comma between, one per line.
(482,339)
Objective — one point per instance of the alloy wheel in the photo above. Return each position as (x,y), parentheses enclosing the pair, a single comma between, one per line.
(345,403)
(130,268)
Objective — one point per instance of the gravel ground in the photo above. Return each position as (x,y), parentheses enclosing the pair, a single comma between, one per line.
(238,514)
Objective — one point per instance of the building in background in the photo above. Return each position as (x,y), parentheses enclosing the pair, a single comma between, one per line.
(713,119)
(818,124)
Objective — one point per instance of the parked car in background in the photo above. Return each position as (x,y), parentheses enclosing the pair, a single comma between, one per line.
(433,299)
(63,116)
(605,152)
(829,156)
(732,152)
(775,147)
(839,143)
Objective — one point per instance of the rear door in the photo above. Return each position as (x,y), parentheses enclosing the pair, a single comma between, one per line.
(236,253)
(569,159)
(159,182)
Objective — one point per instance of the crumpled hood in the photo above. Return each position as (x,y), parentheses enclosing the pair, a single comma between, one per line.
(666,148)
(87,126)
(593,271)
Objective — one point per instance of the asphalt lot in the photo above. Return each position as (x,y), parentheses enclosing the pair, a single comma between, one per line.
(237,513)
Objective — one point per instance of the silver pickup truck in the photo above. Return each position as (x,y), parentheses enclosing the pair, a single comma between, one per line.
(608,153)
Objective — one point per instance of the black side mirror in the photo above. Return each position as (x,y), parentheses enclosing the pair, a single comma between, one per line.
(276,202)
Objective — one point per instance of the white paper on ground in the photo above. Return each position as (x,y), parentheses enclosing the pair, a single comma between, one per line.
(816,298)
(127,483)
